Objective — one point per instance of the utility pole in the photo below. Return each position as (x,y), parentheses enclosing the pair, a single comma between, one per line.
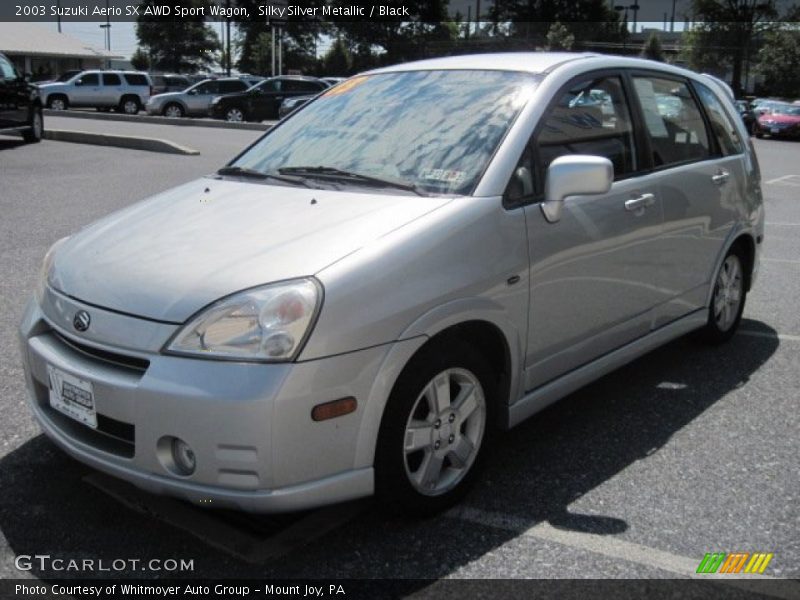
(672,21)
(228,39)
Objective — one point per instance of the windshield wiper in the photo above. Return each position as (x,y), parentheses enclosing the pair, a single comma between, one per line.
(334,173)
(254,174)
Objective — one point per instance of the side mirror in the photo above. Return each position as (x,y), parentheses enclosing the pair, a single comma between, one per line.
(78,82)
(27,77)
(574,175)
(193,92)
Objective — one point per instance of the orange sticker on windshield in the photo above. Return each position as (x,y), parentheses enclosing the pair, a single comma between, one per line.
(345,86)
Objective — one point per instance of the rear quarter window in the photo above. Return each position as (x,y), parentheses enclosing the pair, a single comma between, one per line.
(136,79)
(721,124)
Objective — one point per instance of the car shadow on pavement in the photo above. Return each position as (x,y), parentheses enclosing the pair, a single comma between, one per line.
(535,472)
(8,143)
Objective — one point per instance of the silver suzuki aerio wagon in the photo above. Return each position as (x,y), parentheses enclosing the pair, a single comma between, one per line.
(419,256)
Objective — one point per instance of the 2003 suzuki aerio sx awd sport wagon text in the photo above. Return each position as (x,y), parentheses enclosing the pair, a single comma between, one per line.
(419,256)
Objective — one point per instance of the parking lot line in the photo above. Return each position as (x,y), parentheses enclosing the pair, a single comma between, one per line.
(782,260)
(775,223)
(785,180)
(765,334)
(613,547)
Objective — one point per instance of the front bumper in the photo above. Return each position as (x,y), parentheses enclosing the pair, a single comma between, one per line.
(249,425)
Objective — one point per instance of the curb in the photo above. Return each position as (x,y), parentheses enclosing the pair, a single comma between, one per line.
(183,121)
(119,141)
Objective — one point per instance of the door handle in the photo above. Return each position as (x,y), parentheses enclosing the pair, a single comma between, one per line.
(642,201)
(721,177)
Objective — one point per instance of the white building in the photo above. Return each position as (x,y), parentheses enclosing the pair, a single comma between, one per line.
(45,53)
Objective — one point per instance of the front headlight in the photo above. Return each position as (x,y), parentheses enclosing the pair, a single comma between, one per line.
(44,271)
(266,324)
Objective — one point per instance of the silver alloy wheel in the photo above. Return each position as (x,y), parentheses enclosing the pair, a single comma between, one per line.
(130,107)
(728,293)
(174,111)
(36,125)
(234,115)
(58,104)
(444,431)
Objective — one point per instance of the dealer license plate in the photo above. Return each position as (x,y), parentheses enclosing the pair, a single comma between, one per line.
(72,396)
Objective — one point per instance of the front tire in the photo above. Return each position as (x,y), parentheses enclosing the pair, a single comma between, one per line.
(34,133)
(173,110)
(234,115)
(58,102)
(727,300)
(435,429)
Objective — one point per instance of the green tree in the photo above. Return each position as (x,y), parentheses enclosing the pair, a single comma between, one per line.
(180,46)
(725,34)
(140,60)
(589,20)
(337,61)
(400,41)
(559,37)
(778,62)
(652,48)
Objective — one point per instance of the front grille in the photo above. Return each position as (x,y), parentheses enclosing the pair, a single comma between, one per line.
(112,436)
(120,360)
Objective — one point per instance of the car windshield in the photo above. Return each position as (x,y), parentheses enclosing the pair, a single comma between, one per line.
(433,131)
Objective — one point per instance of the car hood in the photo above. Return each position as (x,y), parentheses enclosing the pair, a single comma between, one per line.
(168,257)
(166,96)
(49,87)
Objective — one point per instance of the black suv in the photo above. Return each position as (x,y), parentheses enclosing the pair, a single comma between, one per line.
(20,106)
(262,101)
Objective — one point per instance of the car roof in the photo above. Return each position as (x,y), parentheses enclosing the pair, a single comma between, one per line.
(536,63)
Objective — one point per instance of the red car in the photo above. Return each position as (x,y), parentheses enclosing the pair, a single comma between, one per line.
(780,121)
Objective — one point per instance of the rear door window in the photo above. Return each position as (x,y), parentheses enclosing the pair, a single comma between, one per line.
(111,79)
(721,124)
(673,120)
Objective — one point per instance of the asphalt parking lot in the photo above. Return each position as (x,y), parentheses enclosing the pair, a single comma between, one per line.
(688,450)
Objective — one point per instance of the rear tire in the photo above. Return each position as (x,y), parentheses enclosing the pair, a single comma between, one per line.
(435,430)
(34,133)
(129,105)
(727,300)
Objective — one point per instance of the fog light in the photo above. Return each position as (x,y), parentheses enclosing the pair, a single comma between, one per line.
(184,457)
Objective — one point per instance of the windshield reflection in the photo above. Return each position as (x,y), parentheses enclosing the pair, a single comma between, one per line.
(435,130)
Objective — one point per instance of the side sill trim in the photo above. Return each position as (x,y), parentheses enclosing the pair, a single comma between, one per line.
(544,396)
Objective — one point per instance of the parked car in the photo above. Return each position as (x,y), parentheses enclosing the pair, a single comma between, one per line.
(125,91)
(20,105)
(195,100)
(263,100)
(163,83)
(782,120)
(425,254)
(746,114)
(290,105)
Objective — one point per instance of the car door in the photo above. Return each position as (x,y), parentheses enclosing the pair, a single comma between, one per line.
(697,157)
(595,272)
(266,99)
(111,90)
(85,90)
(14,99)
(199,98)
